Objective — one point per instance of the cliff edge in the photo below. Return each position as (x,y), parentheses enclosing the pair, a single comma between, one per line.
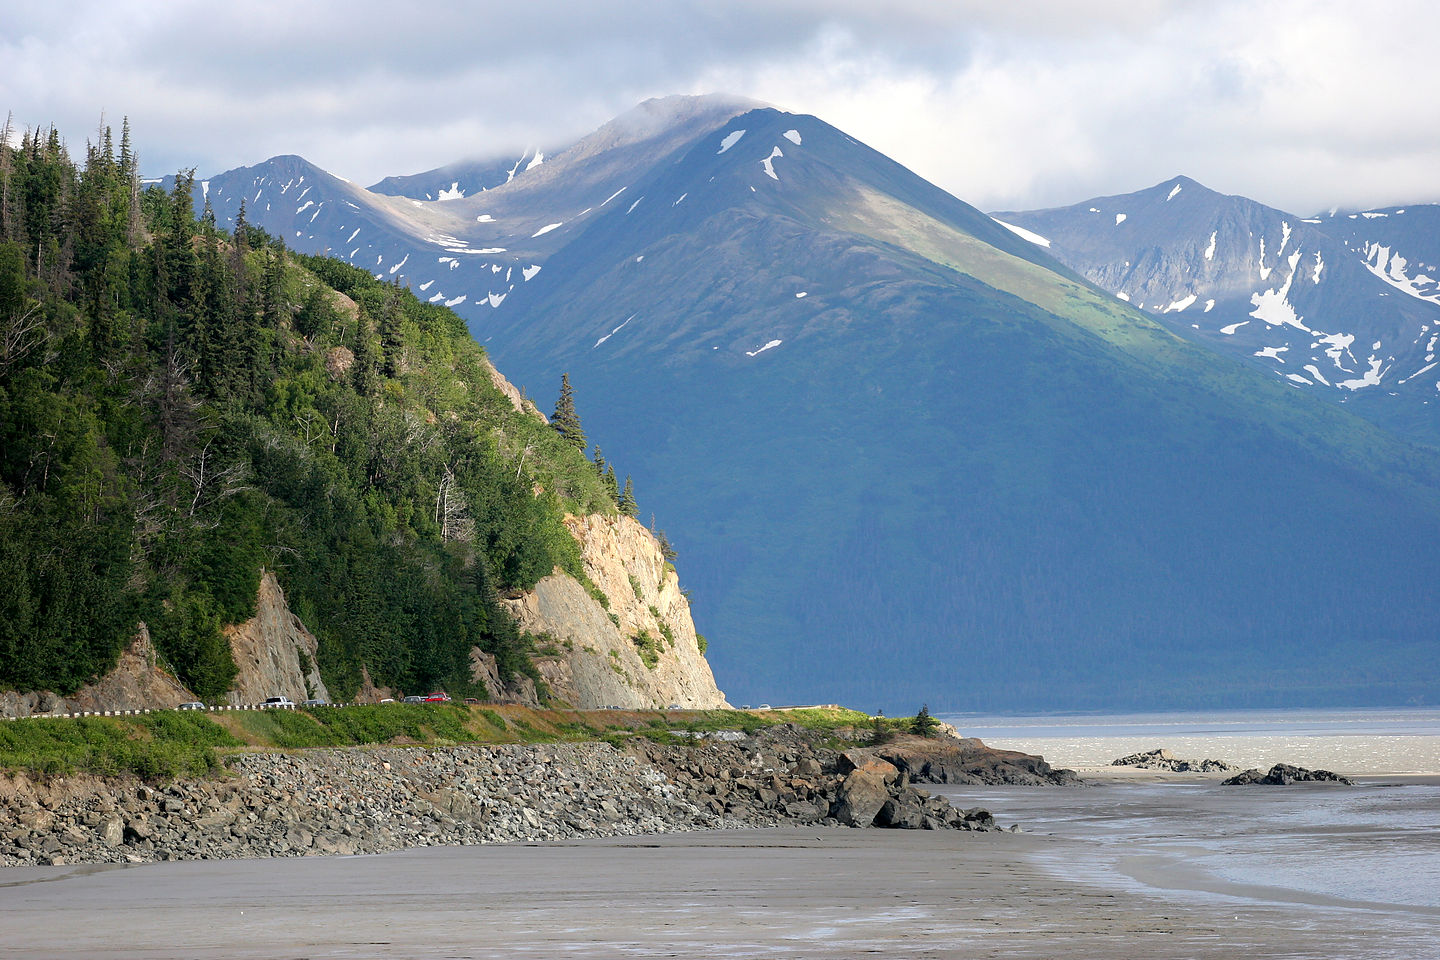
(639,648)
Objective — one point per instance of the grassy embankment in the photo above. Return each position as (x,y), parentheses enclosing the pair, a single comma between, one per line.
(170,744)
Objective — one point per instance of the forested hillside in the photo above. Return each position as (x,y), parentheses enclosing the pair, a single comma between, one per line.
(181,408)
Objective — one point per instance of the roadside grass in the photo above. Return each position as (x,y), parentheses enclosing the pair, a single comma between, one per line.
(168,744)
(157,746)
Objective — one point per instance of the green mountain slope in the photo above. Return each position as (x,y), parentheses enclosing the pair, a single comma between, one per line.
(180,408)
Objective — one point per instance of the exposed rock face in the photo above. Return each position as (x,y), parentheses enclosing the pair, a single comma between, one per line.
(274,652)
(1282,774)
(1165,760)
(519,689)
(598,661)
(136,682)
(520,402)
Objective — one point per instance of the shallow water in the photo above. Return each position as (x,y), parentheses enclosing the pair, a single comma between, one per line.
(1347,741)
(1372,846)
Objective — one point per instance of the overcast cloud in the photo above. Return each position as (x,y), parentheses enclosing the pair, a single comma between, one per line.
(1302,105)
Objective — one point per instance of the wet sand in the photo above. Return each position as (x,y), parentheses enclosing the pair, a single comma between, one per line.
(823,893)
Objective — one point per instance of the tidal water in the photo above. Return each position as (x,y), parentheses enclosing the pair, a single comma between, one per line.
(1374,846)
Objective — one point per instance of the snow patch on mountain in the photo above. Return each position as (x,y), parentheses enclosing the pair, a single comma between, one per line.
(1023,233)
(456,302)
(1210,305)
(1314,371)
(793,136)
(1272,353)
(1210,250)
(768,346)
(484,218)
(1181,304)
(1371,378)
(538,159)
(731,138)
(1171,195)
(529,272)
(1121,294)
(1120,218)
(454,193)
(769,164)
(1274,307)
(1319,265)
(547,228)
(613,196)
(619,328)
(1391,267)
(397,266)
(1425,369)
(1338,343)
(1230,330)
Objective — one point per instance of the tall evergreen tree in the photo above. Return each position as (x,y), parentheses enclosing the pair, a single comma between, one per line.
(627,503)
(391,344)
(565,420)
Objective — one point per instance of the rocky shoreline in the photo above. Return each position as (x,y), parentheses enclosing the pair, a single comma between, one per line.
(356,800)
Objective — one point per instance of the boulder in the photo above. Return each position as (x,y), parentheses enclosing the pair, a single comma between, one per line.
(861,797)
(1283,774)
(1165,760)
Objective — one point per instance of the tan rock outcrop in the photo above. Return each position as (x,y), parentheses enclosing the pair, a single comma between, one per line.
(594,659)
(521,403)
(274,653)
(136,682)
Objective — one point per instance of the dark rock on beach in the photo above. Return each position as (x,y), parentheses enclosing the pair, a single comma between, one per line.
(966,760)
(1165,760)
(1282,774)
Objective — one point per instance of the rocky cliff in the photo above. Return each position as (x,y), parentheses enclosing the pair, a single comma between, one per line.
(274,652)
(137,681)
(640,652)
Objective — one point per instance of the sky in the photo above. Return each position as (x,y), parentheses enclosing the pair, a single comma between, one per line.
(1301,105)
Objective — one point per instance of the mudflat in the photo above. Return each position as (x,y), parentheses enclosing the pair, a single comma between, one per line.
(823,893)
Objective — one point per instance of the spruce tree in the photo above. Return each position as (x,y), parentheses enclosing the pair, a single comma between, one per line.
(565,420)
(391,344)
(923,724)
(627,503)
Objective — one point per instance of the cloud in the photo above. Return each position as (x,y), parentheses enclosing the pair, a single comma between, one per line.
(1298,104)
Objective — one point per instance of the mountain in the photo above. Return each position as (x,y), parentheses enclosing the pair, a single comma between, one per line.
(465,235)
(907,455)
(914,456)
(1328,304)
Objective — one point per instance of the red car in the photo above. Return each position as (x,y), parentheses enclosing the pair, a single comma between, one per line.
(438,698)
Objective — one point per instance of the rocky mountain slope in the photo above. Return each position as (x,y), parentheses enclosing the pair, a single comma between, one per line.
(1343,306)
